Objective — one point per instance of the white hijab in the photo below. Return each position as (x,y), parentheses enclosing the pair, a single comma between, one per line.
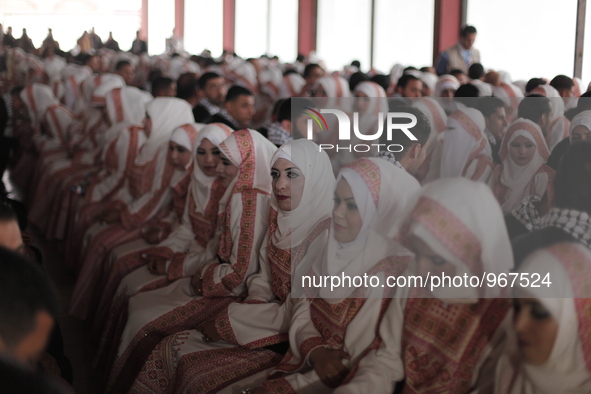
(316,203)
(378,102)
(201,184)
(167,113)
(515,177)
(336,88)
(444,82)
(38,98)
(461,220)
(382,193)
(465,133)
(568,369)
(582,119)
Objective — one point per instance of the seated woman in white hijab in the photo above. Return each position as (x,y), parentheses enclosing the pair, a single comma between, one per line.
(330,335)
(292,85)
(445,89)
(371,100)
(247,337)
(126,110)
(456,228)
(221,273)
(465,150)
(559,127)
(124,107)
(438,121)
(511,96)
(580,130)
(51,124)
(82,151)
(522,172)
(139,267)
(147,195)
(550,350)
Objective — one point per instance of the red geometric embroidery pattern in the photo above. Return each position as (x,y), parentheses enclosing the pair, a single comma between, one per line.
(370,173)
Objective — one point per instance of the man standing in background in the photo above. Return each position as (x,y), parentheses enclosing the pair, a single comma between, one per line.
(460,56)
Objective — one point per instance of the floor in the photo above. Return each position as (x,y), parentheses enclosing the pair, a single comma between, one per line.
(79,345)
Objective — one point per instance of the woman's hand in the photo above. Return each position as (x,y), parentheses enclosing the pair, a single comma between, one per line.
(328,365)
(152,235)
(210,333)
(156,264)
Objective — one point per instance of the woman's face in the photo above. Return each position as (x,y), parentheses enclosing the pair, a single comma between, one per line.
(208,157)
(288,184)
(179,155)
(362,103)
(536,330)
(429,262)
(226,170)
(448,92)
(346,219)
(522,150)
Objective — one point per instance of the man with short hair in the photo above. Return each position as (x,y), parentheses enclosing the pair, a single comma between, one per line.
(312,73)
(186,89)
(163,87)
(28,308)
(409,86)
(238,109)
(495,117)
(460,56)
(214,91)
(476,71)
(138,46)
(291,121)
(126,71)
(565,86)
(536,108)
(413,152)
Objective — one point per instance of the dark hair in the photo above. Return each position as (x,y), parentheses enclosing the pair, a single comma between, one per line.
(476,71)
(186,86)
(572,183)
(382,80)
(283,109)
(154,74)
(356,63)
(121,63)
(562,82)
(533,83)
(533,107)
(290,71)
(236,91)
(300,58)
(24,291)
(467,30)
(290,109)
(409,68)
(356,78)
(422,130)
(466,94)
(457,71)
(83,58)
(7,214)
(488,105)
(309,67)
(15,91)
(206,78)
(405,79)
(161,83)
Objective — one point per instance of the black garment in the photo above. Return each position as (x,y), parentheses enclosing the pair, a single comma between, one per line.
(559,150)
(15,379)
(201,114)
(113,45)
(528,243)
(97,43)
(265,133)
(9,40)
(496,148)
(5,143)
(138,47)
(218,118)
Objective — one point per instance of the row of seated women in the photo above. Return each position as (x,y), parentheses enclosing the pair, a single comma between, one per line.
(191,241)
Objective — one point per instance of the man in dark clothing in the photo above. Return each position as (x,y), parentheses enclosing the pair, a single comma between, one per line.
(9,39)
(214,93)
(28,307)
(238,109)
(493,110)
(111,43)
(138,46)
(572,204)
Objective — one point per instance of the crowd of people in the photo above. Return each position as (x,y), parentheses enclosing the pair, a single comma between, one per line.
(184,194)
